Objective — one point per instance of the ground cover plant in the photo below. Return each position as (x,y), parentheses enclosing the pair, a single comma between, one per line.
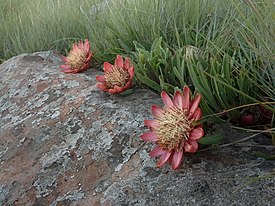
(222,49)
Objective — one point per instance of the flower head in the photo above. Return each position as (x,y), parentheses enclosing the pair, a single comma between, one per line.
(78,59)
(172,129)
(118,77)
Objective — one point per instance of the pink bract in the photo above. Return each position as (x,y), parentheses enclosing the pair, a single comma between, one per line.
(78,59)
(173,129)
(118,77)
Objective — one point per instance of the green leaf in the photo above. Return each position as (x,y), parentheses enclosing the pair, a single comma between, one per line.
(123,45)
(179,76)
(263,155)
(156,44)
(138,45)
(211,139)
(148,82)
(127,92)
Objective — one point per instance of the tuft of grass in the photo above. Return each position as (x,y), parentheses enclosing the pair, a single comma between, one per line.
(41,25)
(116,24)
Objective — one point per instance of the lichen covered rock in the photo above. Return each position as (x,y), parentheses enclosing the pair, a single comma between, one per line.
(64,142)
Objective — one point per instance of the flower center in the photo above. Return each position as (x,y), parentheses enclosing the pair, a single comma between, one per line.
(173,130)
(116,77)
(77,59)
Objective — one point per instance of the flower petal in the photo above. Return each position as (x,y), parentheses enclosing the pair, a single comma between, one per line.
(84,68)
(178,99)
(67,71)
(80,45)
(65,59)
(151,123)
(186,98)
(89,57)
(166,100)
(116,90)
(120,89)
(194,105)
(196,133)
(100,78)
(197,114)
(65,66)
(127,86)
(107,67)
(131,72)
(149,137)
(103,87)
(164,158)
(75,47)
(119,61)
(157,111)
(126,64)
(86,46)
(176,161)
(191,146)
(157,151)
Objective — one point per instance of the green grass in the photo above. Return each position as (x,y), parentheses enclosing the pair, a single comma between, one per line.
(222,49)
(40,25)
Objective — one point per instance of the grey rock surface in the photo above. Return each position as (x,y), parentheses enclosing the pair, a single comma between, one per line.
(64,142)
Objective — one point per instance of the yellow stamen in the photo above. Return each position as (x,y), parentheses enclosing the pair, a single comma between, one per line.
(77,59)
(173,130)
(116,77)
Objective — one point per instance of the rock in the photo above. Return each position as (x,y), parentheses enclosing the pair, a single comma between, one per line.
(64,142)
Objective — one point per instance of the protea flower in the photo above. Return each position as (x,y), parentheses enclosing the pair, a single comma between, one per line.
(118,77)
(173,129)
(78,59)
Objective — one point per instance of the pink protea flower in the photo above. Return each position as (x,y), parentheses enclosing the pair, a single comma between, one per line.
(118,77)
(172,129)
(78,59)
